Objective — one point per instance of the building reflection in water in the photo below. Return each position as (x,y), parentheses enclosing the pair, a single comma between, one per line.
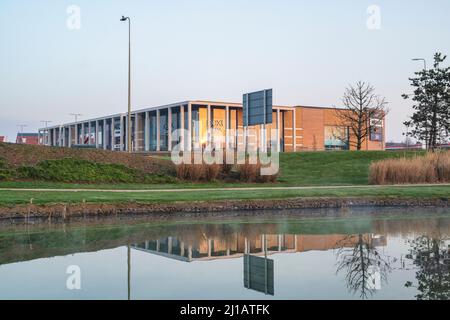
(258,269)
(236,245)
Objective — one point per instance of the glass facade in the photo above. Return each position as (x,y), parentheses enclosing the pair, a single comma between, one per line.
(336,138)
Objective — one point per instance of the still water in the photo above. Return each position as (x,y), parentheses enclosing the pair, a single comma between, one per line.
(334,254)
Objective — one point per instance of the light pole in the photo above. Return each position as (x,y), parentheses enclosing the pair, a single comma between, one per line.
(129,83)
(46,130)
(21,126)
(76,115)
(424,62)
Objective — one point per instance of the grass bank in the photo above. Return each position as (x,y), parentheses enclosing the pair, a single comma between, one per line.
(296,169)
(19,197)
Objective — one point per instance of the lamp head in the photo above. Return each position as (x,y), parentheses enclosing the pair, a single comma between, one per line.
(123,18)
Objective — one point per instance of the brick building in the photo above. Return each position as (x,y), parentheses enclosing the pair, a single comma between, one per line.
(27,138)
(298,128)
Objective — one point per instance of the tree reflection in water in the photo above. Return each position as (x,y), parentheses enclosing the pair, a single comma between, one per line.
(431,255)
(358,258)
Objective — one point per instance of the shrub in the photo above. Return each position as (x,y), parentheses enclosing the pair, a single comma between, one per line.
(249,172)
(431,168)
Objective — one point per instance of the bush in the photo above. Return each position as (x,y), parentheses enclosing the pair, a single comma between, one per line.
(431,168)
(252,173)
(198,172)
(5,172)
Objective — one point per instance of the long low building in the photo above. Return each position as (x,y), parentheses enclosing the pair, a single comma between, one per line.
(298,128)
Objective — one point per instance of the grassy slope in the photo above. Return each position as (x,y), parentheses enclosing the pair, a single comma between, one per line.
(297,169)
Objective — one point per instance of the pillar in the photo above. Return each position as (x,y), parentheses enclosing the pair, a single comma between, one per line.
(104,140)
(158,131)
(189,126)
(227,125)
(169,129)
(278,130)
(112,129)
(147,131)
(121,134)
(136,130)
(294,129)
(182,127)
(96,134)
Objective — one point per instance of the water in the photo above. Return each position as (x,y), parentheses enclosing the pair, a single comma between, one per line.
(337,254)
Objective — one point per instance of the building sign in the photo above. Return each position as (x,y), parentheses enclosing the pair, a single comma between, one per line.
(257,107)
(376,129)
(258,274)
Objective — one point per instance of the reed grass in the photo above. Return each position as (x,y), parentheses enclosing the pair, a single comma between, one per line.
(434,167)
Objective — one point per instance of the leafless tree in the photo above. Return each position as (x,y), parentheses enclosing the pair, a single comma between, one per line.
(361,104)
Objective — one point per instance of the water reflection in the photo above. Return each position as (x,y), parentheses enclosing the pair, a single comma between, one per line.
(387,255)
(364,266)
(431,256)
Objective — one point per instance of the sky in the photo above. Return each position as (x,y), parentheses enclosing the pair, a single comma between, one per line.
(54,61)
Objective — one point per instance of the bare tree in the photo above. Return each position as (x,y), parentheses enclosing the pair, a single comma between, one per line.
(361,104)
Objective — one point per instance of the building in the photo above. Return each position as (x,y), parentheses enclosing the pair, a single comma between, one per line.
(2,139)
(298,128)
(27,138)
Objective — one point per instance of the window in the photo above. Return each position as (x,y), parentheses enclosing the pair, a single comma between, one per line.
(336,138)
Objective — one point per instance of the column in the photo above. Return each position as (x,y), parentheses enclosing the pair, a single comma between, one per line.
(209,137)
(82,133)
(182,127)
(121,134)
(69,143)
(169,129)
(76,134)
(227,125)
(104,140)
(136,130)
(278,130)
(147,131)
(89,133)
(294,129)
(189,126)
(54,137)
(158,131)
(126,132)
(96,134)
(112,129)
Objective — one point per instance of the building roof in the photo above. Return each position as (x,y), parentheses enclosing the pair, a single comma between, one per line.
(27,134)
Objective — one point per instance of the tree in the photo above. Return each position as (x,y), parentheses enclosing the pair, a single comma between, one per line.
(430,121)
(358,262)
(431,256)
(361,104)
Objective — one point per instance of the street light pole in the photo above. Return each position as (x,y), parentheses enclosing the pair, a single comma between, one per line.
(129,83)
(424,62)
(46,129)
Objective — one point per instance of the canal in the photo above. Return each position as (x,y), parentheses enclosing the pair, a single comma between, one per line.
(352,253)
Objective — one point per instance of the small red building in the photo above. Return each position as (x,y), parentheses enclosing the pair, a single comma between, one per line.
(2,139)
(27,138)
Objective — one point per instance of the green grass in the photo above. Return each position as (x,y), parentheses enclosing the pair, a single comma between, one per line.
(8,198)
(296,169)
(332,168)
(78,170)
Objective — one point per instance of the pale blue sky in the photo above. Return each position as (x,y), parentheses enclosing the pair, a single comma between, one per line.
(307,51)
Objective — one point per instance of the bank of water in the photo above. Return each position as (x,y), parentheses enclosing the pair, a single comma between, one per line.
(345,253)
